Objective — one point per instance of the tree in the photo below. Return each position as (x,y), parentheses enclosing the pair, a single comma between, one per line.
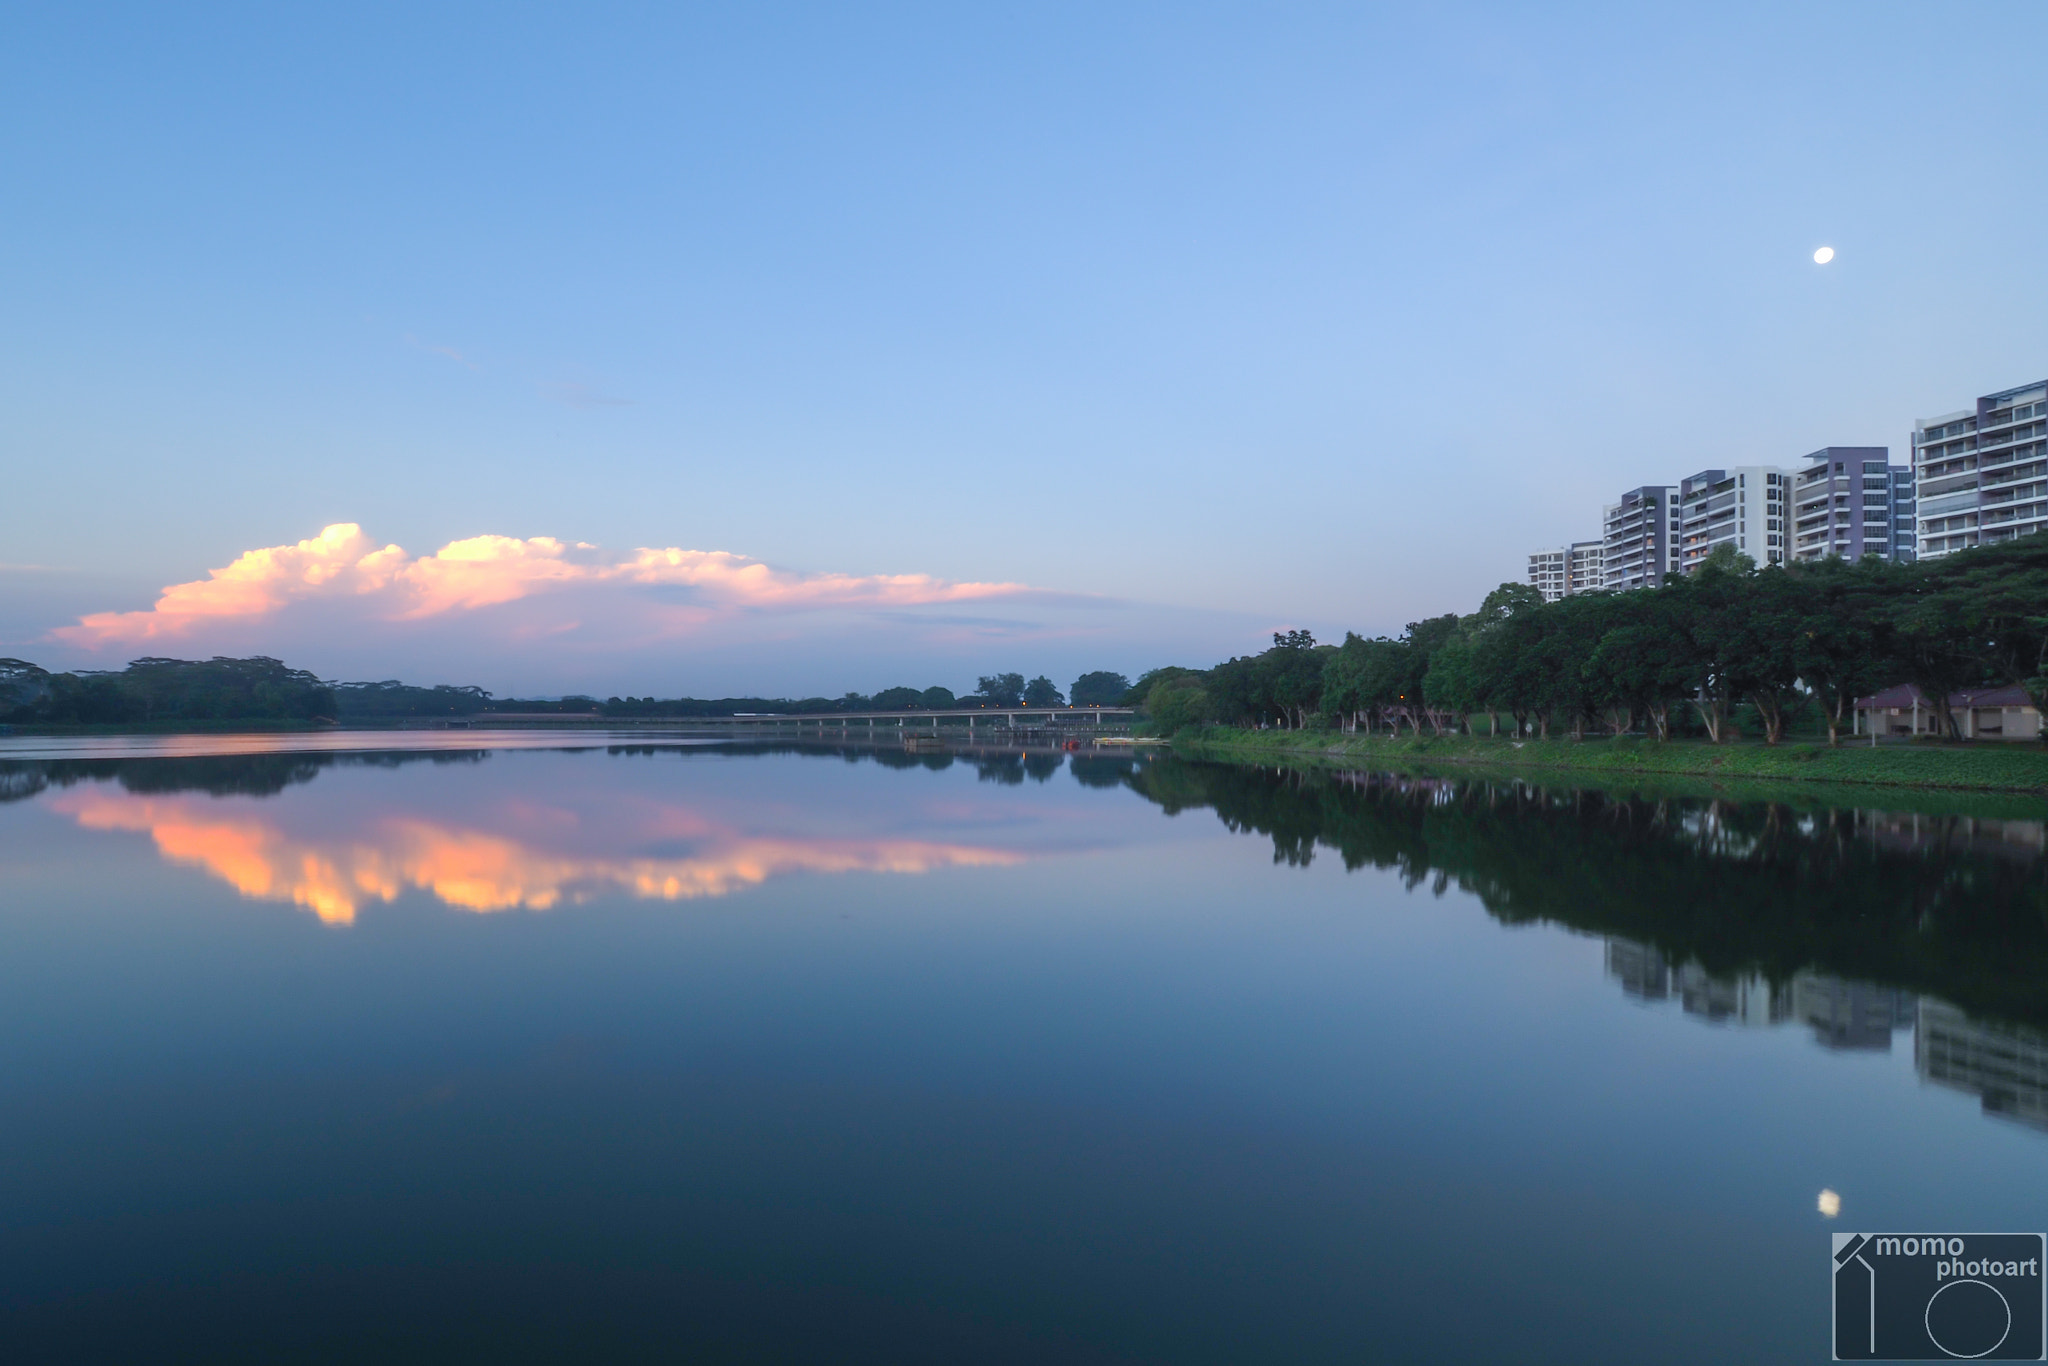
(1293,676)
(938,699)
(1938,651)
(1099,689)
(1000,690)
(393,698)
(1602,695)
(1150,679)
(1040,692)
(1452,683)
(896,699)
(1570,634)
(1384,682)
(1840,642)
(1420,641)
(1482,628)
(1178,701)
(1710,606)
(2002,593)
(1504,657)
(1763,631)
(24,688)
(1344,673)
(1643,657)
(1236,691)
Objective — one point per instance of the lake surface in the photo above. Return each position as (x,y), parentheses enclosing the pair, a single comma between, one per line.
(721,1053)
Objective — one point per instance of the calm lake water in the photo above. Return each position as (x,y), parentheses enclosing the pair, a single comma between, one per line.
(714,1053)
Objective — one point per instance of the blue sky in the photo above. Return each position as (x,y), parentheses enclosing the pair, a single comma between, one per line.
(1196,321)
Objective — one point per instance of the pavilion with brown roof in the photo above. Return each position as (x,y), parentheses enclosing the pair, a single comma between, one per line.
(1981,713)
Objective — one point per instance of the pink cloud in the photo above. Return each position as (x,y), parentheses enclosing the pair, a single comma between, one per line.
(343,565)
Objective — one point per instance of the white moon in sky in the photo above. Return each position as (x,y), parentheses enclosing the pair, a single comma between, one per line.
(1823,256)
(1830,1203)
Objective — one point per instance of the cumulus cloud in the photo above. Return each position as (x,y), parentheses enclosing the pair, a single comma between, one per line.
(343,566)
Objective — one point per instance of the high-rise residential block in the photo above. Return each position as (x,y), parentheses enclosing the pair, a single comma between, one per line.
(1743,507)
(1981,474)
(1905,515)
(1639,537)
(1586,567)
(1851,501)
(1549,571)
(1562,571)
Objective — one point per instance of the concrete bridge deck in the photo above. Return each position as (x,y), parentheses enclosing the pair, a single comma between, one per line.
(973,720)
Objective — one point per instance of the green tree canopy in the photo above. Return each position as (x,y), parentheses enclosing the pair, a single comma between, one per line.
(1099,689)
(1000,690)
(896,699)
(1150,679)
(1040,692)
(1178,700)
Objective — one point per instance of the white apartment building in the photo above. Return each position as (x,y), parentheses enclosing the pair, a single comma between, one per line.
(1586,567)
(1549,571)
(1747,507)
(1562,571)
(1981,475)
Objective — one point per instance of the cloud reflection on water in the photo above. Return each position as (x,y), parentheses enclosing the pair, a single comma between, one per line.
(536,865)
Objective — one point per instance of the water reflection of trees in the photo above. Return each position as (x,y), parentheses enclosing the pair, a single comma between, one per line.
(265,775)
(1955,906)
(219,775)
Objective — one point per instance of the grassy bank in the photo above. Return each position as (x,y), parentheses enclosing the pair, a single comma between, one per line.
(1984,767)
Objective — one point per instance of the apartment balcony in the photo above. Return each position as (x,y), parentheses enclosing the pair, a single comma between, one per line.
(2017,472)
(2029,512)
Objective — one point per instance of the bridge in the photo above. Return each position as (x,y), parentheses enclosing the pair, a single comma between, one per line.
(974,719)
(874,724)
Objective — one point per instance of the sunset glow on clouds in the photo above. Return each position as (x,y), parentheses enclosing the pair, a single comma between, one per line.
(344,568)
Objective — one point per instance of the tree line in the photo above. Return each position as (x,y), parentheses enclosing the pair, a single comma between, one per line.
(1705,653)
(161,690)
(1100,688)
(1775,644)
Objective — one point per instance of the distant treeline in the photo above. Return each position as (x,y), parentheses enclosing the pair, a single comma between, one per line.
(158,690)
(1803,639)
(1099,689)
(155,689)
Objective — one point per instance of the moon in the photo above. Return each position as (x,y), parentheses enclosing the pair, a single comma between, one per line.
(1823,256)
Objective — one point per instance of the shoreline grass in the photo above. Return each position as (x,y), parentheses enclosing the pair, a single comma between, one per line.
(2019,768)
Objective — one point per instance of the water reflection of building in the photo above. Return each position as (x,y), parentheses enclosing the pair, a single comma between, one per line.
(2005,1066)
(1648,975)
(2022,841)
(1843,1014)
(1850,1015)
(1643,972)
(1746,1000)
